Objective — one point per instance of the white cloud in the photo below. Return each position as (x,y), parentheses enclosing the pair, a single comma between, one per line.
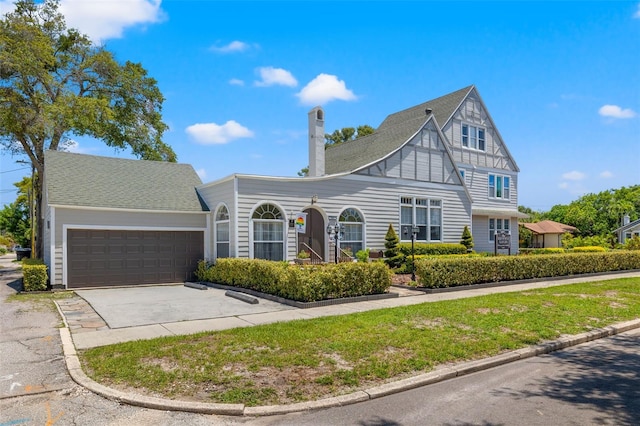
(614,111)
(275,76)
(101,20)
(637,14)
(234,46)
(202,173)
(6,6)
(236,82)
(606,174)
(574,175)
(214,134)
(325,88)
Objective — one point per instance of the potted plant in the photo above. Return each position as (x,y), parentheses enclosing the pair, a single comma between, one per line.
(303,257)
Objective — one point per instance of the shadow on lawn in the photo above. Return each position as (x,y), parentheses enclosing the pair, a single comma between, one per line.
(600,378)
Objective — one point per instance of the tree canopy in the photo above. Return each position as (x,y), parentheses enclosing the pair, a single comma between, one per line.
(340,136)
(14,217)
(56,84)
(595,214)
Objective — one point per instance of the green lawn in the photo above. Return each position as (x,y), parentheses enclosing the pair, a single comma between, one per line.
(304,360)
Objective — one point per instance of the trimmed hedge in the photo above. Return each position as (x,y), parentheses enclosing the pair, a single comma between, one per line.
(451,272)
(34,276)
(300,283)
(435,249)
(548,250)
(588,249)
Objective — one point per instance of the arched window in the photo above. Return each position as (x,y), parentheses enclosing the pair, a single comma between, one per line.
(352,225)
(221,224)
(268,233)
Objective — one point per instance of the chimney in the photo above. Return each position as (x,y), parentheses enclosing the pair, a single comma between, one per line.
(625,220)
(316,142)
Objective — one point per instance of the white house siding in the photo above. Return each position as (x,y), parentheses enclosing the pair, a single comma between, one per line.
(214,194)
(481,234)
(100,219)
(378,199)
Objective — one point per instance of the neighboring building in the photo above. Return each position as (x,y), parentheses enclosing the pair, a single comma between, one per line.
(440,166)
(547,233)
(628,230)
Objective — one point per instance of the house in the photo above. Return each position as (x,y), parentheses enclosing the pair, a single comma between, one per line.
(435,168)
(628,229)
(547,233)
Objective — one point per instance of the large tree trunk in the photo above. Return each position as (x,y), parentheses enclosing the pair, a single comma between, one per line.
(38,222)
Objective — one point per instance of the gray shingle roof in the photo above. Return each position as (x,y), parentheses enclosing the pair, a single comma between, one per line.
(93,181)
(392,133)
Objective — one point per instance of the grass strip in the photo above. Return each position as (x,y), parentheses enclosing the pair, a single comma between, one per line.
(310,359)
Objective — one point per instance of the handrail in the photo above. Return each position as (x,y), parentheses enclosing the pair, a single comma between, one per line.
(313,252)
(344,254)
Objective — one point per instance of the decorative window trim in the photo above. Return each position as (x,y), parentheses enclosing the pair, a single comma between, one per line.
(344,218)
(267,212)
(221,218)
(499,186)
(473,137)
(498,224)
(426,214)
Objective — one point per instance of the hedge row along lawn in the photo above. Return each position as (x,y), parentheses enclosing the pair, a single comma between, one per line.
(311,359)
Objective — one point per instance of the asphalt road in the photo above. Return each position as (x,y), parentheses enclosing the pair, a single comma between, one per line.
(597,383)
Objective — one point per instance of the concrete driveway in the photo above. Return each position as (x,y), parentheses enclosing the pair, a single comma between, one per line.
(138,306)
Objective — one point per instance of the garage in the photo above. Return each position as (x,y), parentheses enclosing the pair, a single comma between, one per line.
(101,258)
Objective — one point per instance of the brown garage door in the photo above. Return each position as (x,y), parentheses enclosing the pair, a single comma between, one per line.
(97,258)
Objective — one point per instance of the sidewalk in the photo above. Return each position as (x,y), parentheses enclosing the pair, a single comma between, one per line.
(89,330)
(409,298)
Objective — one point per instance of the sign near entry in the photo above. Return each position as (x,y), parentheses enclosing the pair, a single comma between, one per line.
(503,240)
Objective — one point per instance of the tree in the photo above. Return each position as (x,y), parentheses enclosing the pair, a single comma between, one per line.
(466,239)
(56,84)
(340,136)
(392,254)
(14,217)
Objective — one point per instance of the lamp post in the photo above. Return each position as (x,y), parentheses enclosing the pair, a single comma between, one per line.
(414,232)
(335,232)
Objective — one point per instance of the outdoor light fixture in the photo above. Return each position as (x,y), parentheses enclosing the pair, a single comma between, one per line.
(314,199)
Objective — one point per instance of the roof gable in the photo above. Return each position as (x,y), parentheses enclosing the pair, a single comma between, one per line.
(106,182)
(392,133)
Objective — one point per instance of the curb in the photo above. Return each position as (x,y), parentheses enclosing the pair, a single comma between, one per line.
(435,376)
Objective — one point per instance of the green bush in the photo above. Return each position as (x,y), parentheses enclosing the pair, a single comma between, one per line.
(435,249)
(588,249)
(549,250)
(301,283)
(34,276)
(633,243)
(451,272)
(362,255)
(3,250)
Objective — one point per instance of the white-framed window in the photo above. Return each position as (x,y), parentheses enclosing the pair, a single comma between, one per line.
(426,214)
(499,187)
(473,137)
(498,224)
(221,224)
(267,222)
(353,227)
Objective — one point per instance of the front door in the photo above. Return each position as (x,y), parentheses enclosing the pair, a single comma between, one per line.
(313,239)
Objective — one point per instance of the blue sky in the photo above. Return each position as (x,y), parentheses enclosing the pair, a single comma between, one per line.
(561,79)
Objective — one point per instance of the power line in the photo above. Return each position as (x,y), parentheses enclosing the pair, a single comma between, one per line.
(15,170)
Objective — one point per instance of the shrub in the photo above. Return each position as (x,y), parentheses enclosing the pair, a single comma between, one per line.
(34,275)
(548,250)
(362,255)
(467,239)
(392,254)
(450,272)
(435,249)
(300,283)
(633,243)
(588,249)
(569,241)
(3,250)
